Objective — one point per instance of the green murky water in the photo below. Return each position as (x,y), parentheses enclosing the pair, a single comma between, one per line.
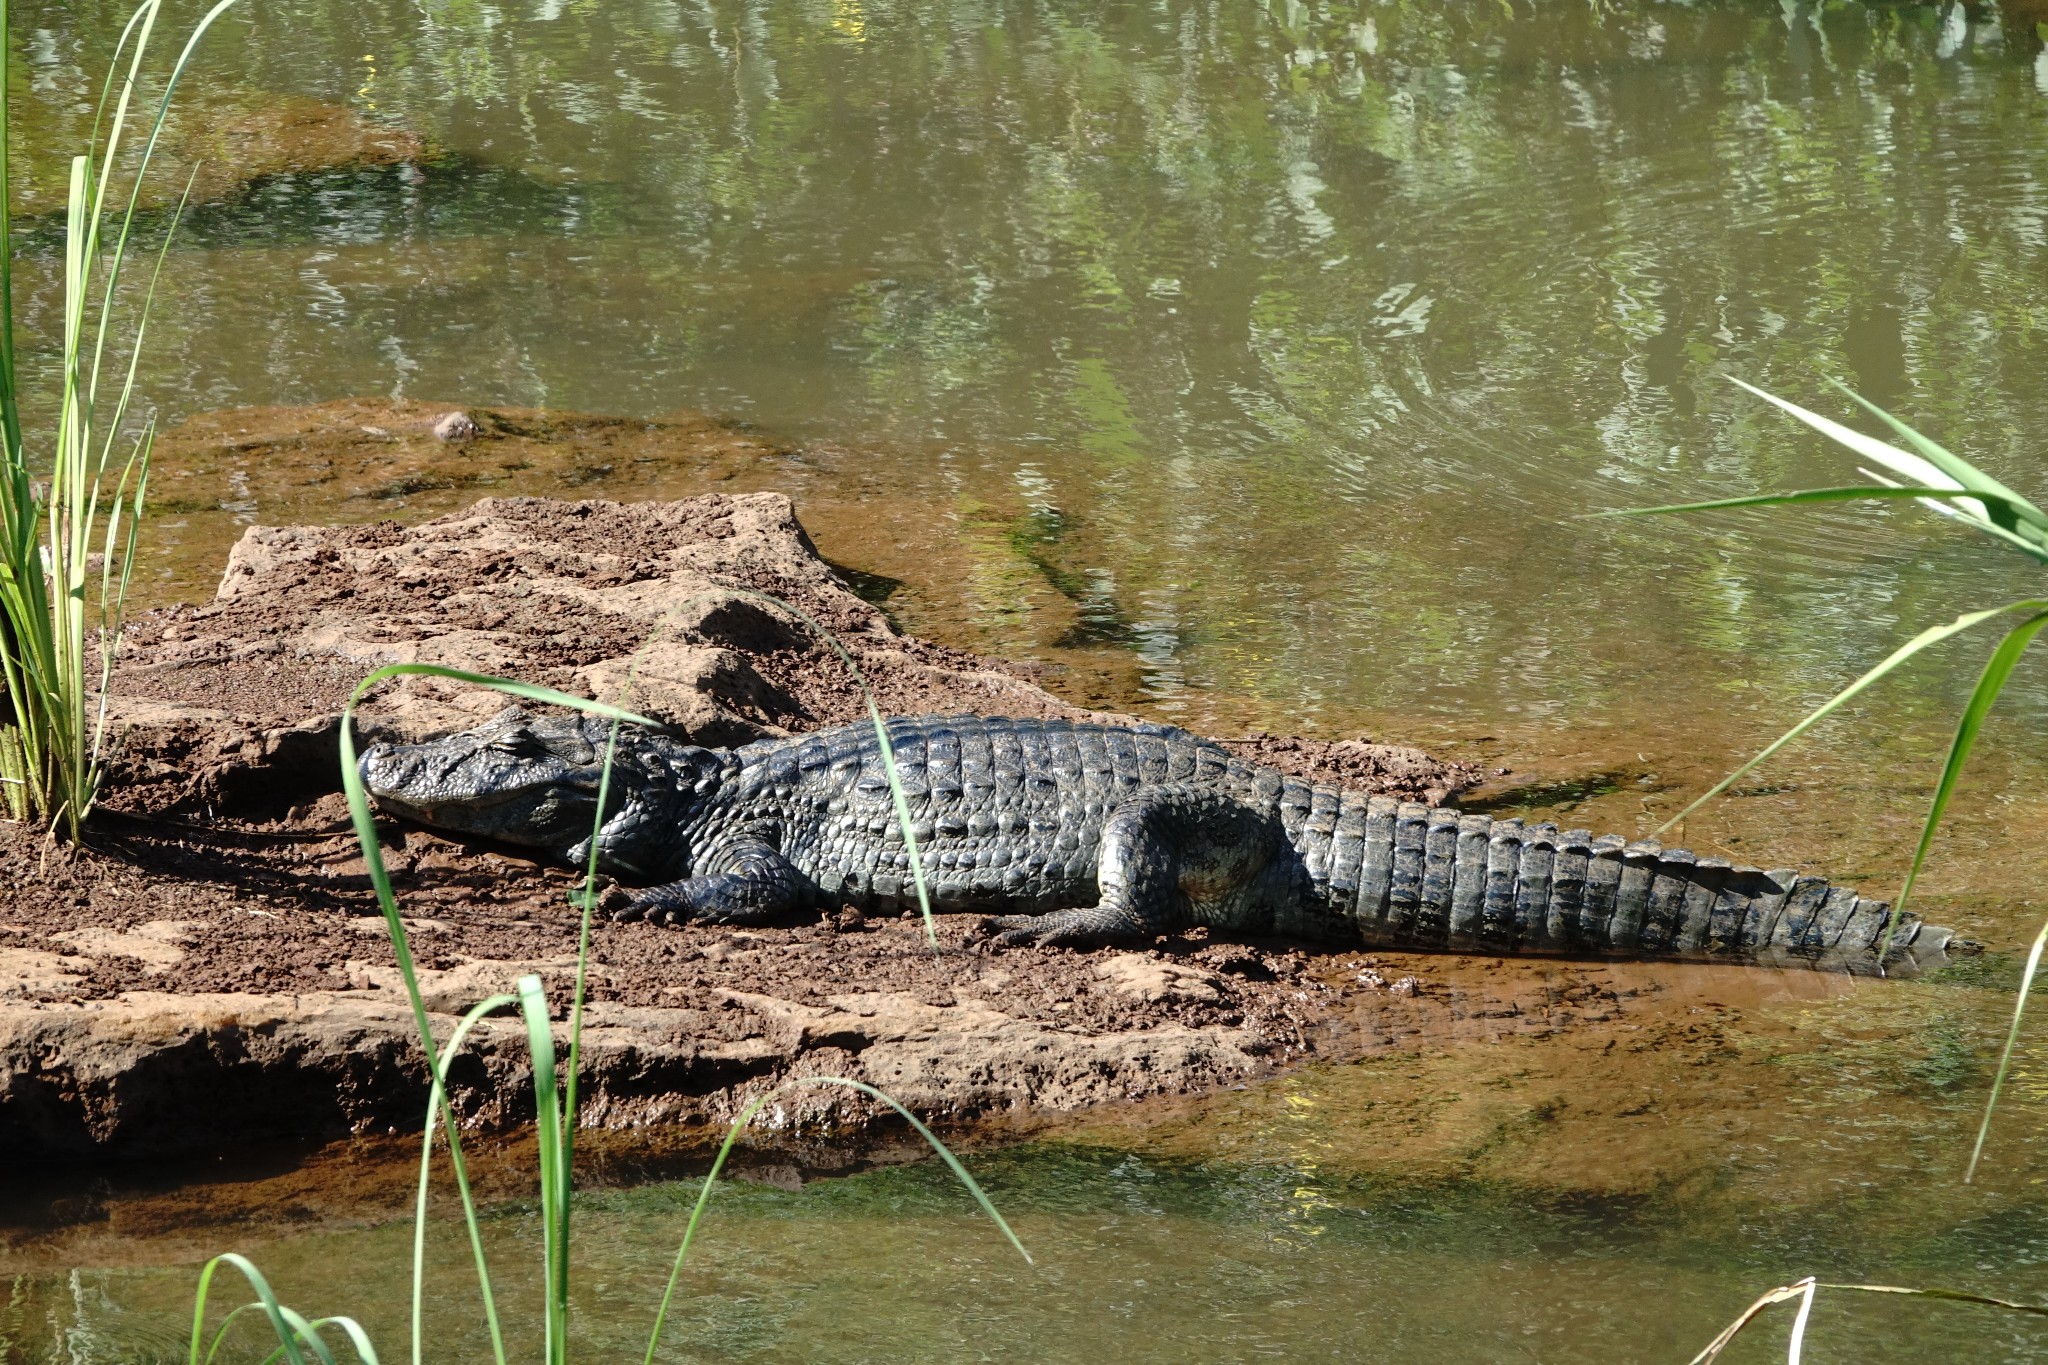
(1270,353)
(1137,1259)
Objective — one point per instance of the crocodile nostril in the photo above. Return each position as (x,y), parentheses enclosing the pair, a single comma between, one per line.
(374,764)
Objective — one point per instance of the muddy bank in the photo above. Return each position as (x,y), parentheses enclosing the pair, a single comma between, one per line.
(210,971)
(1563,1080)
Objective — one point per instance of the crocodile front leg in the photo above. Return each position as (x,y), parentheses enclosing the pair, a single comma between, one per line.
(756,886)
(1169,856)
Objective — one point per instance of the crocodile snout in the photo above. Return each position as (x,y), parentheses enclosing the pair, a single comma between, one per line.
(389,774)
(372,765)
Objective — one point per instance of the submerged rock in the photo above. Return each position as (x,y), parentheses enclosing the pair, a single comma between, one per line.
(219,140)
(252,138)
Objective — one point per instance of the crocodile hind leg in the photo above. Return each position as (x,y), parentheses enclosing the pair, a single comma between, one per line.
(1166,855)
(755,885)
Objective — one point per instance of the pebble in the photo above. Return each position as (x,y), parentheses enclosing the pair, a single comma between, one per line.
(456,426)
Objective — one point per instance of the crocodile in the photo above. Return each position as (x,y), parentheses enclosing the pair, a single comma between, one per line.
(1081,834)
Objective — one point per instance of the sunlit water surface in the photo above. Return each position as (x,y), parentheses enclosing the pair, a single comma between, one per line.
(1265,361)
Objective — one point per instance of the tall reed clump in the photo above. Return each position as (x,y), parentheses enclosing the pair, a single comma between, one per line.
(60,612)
(556,1073)
(1945,483)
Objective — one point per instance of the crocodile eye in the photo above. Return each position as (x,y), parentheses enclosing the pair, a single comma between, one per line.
(569,748)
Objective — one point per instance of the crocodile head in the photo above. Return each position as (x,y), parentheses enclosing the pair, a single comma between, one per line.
(520,779)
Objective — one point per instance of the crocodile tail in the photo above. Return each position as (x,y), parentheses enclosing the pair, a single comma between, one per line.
(1429,877)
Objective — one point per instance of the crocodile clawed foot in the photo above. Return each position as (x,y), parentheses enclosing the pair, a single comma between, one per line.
(697,900)
(1094,927)
(621,905)
(651,907)
(1008,931)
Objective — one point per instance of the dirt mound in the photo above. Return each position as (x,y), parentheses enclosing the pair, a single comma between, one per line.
(212,970)
(231,705)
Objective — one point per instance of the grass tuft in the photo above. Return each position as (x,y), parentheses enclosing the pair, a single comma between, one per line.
(297,1336)
(61,616)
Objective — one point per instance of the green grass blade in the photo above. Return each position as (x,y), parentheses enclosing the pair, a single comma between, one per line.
(90,244)
(903,822)
(99,112)
(437,1097)
(1935,468)
(1988,505)
(271,1308)
(163,110)
(2012,1038)
(945,1153)
(554,1204)
(896,793)
(46,615)
(357,1337)
(1852,493)
(143,314)
(69,524)
(113,616)
(530,691)
(141,24)
(2028,541)
(732,1137)
(373,858)
(587,899)
(1955,466)
(1931,636)
(309,1334)
(220,1333)
(380,880)
(1983,696)
(76,478)
(570,1092)
(1913,468)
